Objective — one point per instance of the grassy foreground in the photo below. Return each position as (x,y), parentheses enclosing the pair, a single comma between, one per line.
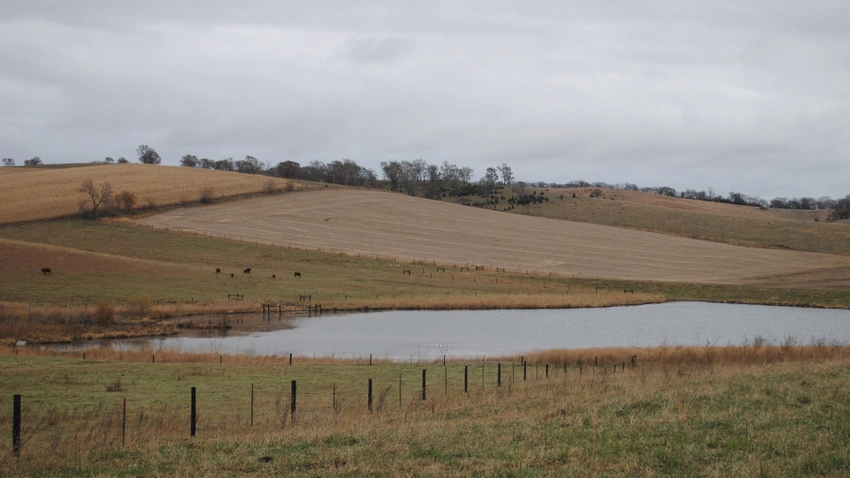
(757,410)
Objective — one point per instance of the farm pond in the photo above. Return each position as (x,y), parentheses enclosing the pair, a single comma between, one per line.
(428,335)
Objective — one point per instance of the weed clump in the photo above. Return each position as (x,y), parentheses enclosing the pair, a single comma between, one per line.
(139,305)
(104,314)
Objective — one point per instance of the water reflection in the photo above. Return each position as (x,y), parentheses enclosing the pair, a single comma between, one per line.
(427,335)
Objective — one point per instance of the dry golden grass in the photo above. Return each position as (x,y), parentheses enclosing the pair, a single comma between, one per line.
(758,351)
(715,208)
(678,416)
(555,300)
(31,194)
(726,223)
(392,225)
(134,318)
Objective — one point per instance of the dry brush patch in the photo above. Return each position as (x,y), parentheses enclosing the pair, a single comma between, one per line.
(31,194)
(377,223)
(134,317)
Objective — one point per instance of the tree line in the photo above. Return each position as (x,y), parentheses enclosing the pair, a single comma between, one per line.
(419,178)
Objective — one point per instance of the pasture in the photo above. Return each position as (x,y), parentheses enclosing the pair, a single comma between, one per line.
(121,263)
(34,194)
(754,410)
(370,223)
(717,222)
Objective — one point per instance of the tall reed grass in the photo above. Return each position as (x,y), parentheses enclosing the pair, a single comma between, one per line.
(134,318)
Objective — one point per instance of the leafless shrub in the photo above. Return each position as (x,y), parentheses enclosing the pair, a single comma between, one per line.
(139,305)
(104,314)
(207,195)
(125,201)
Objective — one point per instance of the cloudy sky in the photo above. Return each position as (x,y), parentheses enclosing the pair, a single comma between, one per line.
(737,95)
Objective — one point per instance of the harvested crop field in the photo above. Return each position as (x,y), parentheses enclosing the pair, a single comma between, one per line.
(392,225)
(32,194)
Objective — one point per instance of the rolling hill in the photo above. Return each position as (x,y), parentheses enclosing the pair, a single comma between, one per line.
(392,225)
(32,194)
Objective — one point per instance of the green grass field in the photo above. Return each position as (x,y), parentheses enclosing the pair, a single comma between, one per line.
(672,417)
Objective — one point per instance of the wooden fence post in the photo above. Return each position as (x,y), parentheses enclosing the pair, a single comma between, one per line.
(193,415)
(423,384)
(370,395)
(466,379)
(124,423)
(499,374)
(16,426)
(292,400)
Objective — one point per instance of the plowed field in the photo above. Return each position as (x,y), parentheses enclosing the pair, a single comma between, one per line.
(393,225)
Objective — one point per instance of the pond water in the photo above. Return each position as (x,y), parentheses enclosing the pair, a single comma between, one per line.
(427,335)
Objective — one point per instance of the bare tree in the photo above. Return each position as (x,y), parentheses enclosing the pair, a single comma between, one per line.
(392,173)
(507,174)
(123,160)
(841,209)
(96,195)
(148,155)
(434,186)
(34,161)
(287,169)
(189,161)
(488,183)
(8,162)
(249,165)
(518,189)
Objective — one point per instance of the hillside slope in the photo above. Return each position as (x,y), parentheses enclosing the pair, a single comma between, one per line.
(741,225)
(386,224)
(31,194)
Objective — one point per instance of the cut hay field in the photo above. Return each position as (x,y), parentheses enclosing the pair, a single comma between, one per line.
(31,194)
(372,223)
(718,222)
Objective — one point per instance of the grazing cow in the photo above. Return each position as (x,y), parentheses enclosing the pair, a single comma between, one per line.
(297,274)
(218,270)
(247,271)
(46,271)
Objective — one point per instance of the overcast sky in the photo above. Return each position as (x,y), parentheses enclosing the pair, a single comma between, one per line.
(748,96)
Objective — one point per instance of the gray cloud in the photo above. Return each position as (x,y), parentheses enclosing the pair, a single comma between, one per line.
(378,50)
(732,95)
